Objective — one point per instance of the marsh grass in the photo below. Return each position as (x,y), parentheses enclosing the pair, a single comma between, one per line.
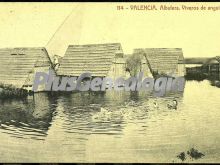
(9,91)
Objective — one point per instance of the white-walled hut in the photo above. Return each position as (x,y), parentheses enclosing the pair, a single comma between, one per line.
(19,65)
(168,61)
(101,60)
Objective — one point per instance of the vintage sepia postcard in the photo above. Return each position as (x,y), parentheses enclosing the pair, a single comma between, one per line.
(110,82)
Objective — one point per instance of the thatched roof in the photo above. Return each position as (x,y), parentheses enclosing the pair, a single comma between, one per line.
(94,58)
(163,60)
(17,63)
(213,60)
(197,60)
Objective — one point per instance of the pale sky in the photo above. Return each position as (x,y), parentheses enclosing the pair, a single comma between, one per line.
(33,25)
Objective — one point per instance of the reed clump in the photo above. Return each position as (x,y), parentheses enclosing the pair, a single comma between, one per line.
(9,91)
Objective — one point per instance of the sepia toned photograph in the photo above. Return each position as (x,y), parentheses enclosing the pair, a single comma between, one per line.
(109,82)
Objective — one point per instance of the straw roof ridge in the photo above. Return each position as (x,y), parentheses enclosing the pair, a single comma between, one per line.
(17,63)
(94,58)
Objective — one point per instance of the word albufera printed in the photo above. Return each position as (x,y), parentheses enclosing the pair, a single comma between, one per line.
(86,82)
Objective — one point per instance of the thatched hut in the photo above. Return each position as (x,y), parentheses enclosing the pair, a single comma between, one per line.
(164,61)
(102,60)
(211,66)
(19,65)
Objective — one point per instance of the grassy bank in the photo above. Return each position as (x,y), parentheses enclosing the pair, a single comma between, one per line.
(9,91)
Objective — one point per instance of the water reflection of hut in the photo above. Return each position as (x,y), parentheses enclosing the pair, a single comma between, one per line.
(102,60)
(19,65)
(29,117)
(164,60)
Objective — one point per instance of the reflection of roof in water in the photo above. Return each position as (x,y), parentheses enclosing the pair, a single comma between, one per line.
(25,119)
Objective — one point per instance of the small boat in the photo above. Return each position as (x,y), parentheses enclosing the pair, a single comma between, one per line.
(172,105)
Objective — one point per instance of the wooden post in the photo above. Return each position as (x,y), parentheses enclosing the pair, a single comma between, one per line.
(219,70)
(218,59)
(33,97)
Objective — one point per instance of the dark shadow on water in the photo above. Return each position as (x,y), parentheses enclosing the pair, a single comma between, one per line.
(81,112)
(134,95)
(29,117)
(213,78)
(196,76)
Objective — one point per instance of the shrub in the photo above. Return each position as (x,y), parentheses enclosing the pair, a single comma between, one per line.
(9,91)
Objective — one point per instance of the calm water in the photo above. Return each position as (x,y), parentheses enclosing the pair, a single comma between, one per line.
(75,128)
